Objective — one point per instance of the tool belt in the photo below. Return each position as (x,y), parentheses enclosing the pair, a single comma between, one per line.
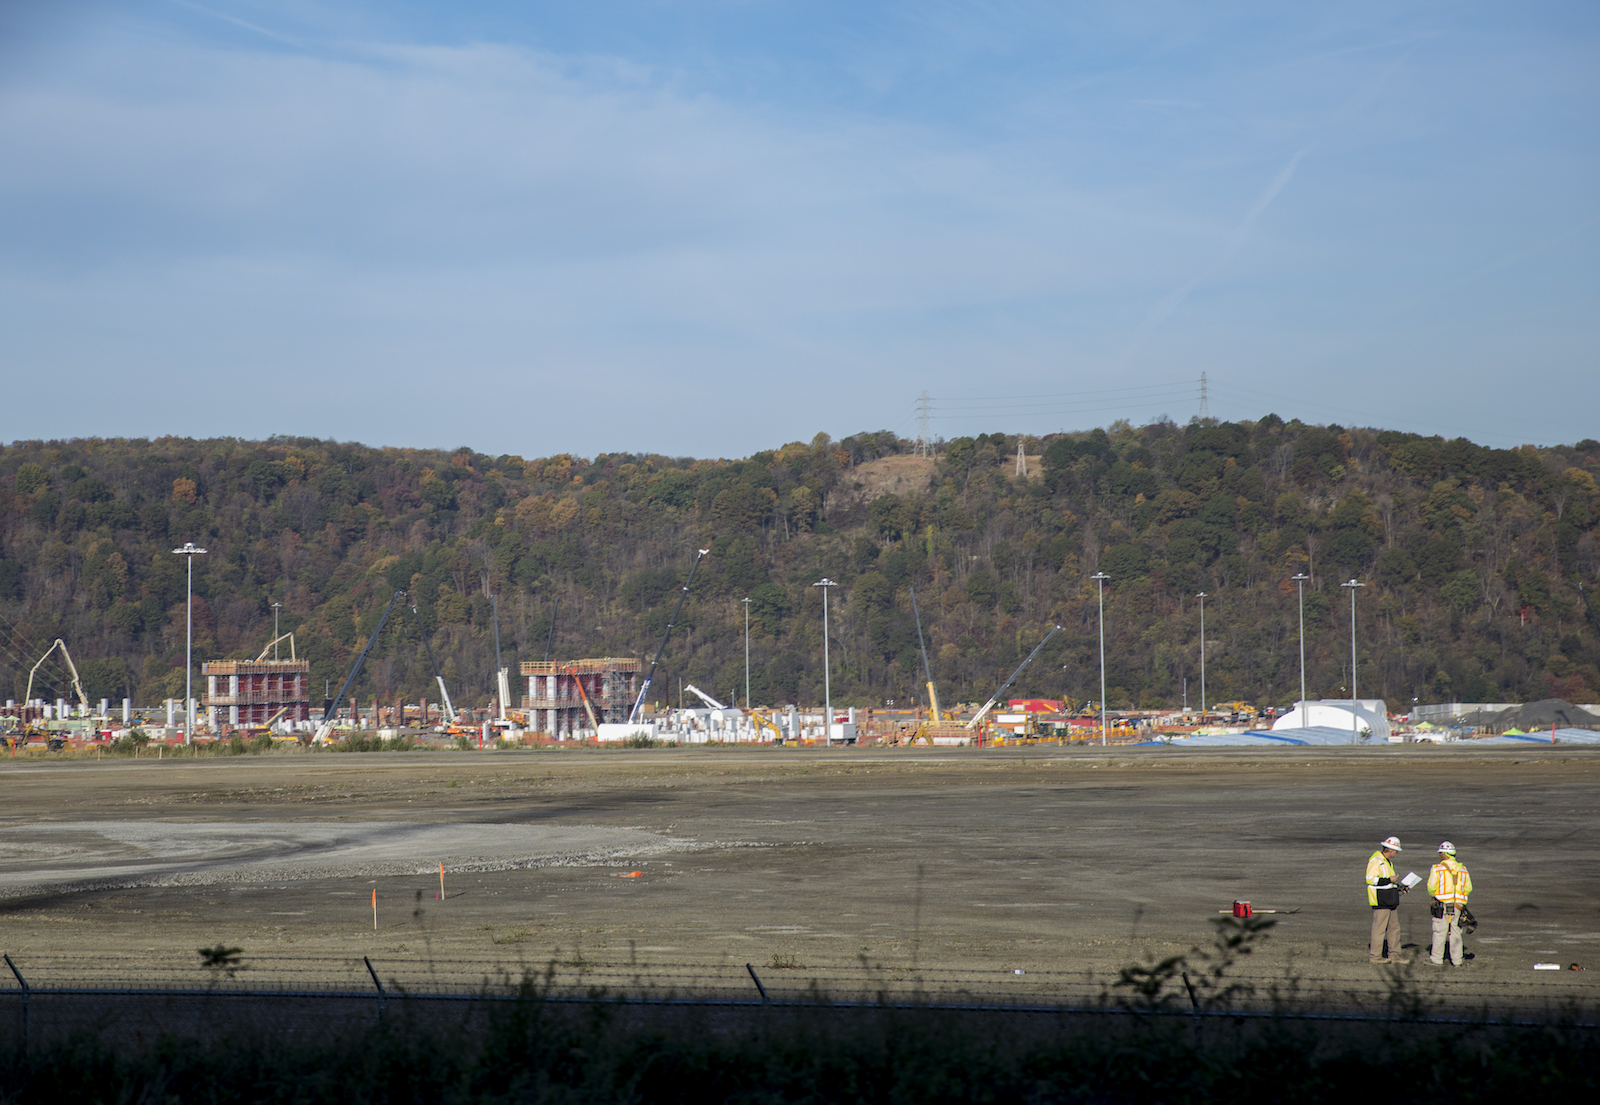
(1436,909)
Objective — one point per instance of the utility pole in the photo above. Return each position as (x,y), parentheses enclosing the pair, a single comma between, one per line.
(1100,582)
(1202,597)
(1205,403)
(1355,721)
(191,551)
(827,686)
(1300,586)
(1022,462)
(924,441)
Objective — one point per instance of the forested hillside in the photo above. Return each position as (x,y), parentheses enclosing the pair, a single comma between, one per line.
(1473,560)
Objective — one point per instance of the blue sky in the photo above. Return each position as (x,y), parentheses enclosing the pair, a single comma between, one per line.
(710,228)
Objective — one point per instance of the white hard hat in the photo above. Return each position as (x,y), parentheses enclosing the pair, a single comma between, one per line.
(1391,842)
(1447,848)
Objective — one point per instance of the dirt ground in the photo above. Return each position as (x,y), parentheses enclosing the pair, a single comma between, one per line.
(1017,874)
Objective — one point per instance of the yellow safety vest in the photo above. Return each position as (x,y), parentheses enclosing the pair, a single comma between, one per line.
(1379,870)
(1449,882)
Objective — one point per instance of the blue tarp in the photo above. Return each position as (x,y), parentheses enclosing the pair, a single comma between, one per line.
(1257,738)
(1563,736)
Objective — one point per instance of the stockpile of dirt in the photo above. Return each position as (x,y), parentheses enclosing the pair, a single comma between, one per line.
(1535,716)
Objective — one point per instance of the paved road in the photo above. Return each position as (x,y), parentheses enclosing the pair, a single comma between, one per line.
(861,870)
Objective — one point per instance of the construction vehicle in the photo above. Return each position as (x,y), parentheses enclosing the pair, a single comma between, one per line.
(987,706)
(727,713)
(77,683)
(761,721)
(927,671)
(644,688)
(325,727)
(502,674)
(444,695)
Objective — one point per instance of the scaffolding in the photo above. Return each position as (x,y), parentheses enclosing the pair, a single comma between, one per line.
(253,694)
(557,690)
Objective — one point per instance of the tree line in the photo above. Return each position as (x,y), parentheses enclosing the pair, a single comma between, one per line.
(1478,563)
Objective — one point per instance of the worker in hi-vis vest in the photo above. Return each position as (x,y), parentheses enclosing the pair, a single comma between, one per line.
(1449,884)
(1383,895)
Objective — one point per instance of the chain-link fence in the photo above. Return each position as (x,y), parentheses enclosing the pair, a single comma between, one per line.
(223,989)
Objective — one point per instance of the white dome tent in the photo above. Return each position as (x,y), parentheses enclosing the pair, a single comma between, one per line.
(1372,718)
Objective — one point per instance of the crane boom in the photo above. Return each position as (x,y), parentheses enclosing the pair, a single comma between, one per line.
(444,695)
(281,637)
(584,696)
(77,683)
(649,678)
(973,724)
(703,697)
(326,725)
(933,690)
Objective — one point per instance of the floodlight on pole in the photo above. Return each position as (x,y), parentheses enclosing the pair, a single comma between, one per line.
(1100,583)
(827,685)
(1300,588)
(191,551)
(275,608)
(1202,597)
(746,601)
(1355,720)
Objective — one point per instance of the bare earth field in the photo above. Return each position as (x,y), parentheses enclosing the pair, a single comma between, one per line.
(858,871)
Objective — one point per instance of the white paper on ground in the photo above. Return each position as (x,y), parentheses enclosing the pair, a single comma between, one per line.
(1411,879)
(1547,966)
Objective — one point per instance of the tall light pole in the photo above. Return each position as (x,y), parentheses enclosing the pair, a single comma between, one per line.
(189,550)
(275,608)
(747,651)
(1300,587)
(827,685)
(1355,722)
(1202,597)
(1100,583)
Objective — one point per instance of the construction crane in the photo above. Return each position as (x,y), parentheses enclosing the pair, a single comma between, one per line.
(328,714)
(444,695)
(973,724)
(77,683)
(502,675)
(644,688)
(281,637)
(933,690)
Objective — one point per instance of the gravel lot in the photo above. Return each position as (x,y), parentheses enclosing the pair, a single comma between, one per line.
(857,870)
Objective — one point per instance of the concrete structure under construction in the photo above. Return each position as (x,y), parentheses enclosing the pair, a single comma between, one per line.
(251,694)
(557,690)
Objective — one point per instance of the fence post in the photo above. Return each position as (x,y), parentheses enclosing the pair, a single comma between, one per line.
(22,982)
(753,978)
(383,998)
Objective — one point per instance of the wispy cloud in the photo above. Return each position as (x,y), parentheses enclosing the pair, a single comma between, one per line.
(1241,232)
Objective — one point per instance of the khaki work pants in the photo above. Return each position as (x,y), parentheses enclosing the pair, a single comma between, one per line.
(1446,929)
(1385,926)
